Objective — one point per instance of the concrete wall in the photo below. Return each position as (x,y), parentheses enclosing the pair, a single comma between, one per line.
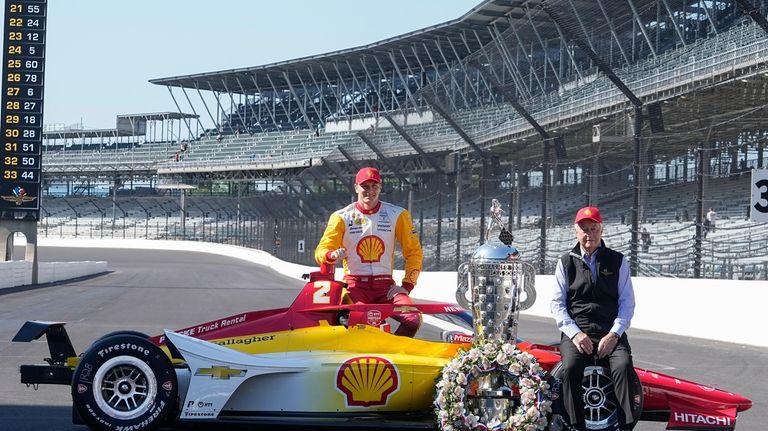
(19,273)
(723,310)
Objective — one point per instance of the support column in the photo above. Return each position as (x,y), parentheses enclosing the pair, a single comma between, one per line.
(440,179)
(29,229)
(183,206)
(512,194)
(458,209)
(483,177)
(636,173)
(699,217)
(543,219)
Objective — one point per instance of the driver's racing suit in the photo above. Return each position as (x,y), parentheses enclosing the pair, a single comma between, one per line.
(369,237)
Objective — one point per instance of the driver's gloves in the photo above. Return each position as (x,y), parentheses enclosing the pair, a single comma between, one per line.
(337,254)
(395,290)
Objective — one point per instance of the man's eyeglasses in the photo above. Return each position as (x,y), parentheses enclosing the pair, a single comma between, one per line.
(595,228)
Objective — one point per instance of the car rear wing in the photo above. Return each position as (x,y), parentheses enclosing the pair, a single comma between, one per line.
(58,371)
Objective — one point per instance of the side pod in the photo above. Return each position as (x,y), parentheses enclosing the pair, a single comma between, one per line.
(57,372)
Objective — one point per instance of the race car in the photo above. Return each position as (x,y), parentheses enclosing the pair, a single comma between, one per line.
(320,362)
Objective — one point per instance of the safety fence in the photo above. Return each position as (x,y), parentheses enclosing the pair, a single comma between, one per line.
(735,249)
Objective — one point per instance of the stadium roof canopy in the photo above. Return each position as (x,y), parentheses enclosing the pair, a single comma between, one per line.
(90,133)
(156,116)
(453,40)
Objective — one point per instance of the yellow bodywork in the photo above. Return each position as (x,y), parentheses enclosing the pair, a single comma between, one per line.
(360,368)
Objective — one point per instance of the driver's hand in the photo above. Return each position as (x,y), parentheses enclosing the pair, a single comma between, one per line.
(583,343)
(607,344)
(395,290)
(337,254)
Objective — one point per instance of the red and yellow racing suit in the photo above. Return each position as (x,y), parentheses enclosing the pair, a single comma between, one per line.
(369,239)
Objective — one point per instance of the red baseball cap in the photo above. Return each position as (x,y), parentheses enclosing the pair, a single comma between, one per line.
(589,213)
(367,174)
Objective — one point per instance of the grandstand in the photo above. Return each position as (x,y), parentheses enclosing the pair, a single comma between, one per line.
(652,109)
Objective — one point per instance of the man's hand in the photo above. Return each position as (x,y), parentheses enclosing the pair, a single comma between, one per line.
(396,290)
(607,344)
(583,343)
(337,254)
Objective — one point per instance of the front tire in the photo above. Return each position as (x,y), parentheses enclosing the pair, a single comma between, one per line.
(601,410)
(124,381)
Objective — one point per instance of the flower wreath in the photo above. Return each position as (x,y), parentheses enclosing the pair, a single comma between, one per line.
(519,368)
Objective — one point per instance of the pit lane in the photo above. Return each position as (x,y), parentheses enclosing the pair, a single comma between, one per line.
(150,290)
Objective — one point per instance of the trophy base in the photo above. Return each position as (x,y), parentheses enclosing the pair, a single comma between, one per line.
(491,405)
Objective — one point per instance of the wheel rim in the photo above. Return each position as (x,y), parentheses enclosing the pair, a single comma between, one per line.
(600,407)
(124,387)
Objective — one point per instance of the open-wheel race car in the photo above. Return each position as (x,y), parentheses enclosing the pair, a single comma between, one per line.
(320,362)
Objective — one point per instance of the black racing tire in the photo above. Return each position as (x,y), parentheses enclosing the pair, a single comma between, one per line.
(601,405)
(124,381)
(121,332)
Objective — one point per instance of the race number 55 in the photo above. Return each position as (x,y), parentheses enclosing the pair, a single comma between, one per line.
(759,210)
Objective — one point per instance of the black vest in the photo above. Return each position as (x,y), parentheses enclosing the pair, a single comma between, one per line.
(593,305)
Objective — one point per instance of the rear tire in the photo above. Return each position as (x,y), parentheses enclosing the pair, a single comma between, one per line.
(124,381)
(599,399)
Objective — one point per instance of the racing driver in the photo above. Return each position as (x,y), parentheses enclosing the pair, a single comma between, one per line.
(363,234)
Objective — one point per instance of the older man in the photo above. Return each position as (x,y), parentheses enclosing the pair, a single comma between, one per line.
(364,234)
(593,307)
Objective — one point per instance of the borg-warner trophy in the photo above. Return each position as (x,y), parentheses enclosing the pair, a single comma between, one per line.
(499,285)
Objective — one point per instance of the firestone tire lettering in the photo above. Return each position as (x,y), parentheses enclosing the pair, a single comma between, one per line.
(144,401)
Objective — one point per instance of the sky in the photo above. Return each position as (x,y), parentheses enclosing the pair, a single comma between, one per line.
(100,54)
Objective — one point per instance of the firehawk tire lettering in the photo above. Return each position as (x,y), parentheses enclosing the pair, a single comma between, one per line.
(124,383)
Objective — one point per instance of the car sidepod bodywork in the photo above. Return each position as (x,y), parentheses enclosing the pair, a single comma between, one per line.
(308,371)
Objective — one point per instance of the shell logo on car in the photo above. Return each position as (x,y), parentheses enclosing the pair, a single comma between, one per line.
(370,249)
(367,381)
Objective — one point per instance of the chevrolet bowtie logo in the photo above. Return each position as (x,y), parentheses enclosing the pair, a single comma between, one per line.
(221,373)
(405,309)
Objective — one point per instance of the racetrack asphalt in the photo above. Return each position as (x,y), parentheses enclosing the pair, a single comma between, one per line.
(148,290)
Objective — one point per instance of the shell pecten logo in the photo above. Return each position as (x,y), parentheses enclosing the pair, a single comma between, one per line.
(367,380)
(370,249)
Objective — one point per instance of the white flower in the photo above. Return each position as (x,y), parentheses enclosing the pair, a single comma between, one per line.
(528,396)
(441,401)
(502,358)
(515,368)
(472,420)
(489,348)
(458,391)
(474,354)
(461,379)
(532,413)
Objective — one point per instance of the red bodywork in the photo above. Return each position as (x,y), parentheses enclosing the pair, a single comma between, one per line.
(685,404)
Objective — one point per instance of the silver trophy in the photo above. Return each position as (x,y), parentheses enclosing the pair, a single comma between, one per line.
(499,285)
